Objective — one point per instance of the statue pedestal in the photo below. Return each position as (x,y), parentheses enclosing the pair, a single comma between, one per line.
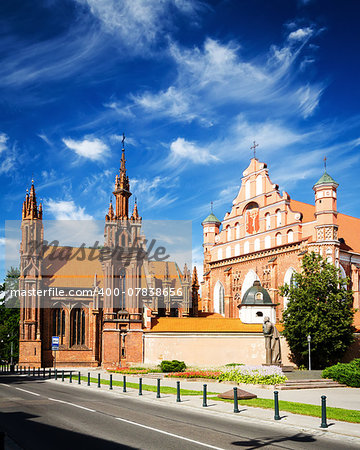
(283,368)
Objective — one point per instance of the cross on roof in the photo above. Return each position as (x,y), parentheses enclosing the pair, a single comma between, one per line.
(325,163)
(212,207)
(253,147)
(123,140)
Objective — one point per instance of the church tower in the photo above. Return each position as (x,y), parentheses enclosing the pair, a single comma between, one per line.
(326,228)
(122,260)
(31,249)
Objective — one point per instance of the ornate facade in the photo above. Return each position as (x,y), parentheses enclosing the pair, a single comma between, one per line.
(127,290)
(264,237)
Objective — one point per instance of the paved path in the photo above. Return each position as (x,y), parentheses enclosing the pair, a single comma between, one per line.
(42,414)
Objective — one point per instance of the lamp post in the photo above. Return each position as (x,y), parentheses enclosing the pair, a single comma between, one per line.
(309,349)
(11,350)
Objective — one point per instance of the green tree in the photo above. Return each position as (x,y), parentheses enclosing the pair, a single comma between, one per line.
(9,316)
(319,304)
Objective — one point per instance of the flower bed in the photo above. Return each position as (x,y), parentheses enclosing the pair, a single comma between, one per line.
(207,374)
(254,375)
(132,371)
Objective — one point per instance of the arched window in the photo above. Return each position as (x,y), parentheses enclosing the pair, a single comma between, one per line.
(267,241)
(278,218)
(122,288)
(257,244)
(237,249)
(237,228)
(220,253)
(247,190)
(249,279)
(290,236)
(259,185)
(267,221)
(278,239)
(289,279)
(219,294)
(228,251)
(246,247)
(78,329)
(123,241)
(228,233)
(58,328)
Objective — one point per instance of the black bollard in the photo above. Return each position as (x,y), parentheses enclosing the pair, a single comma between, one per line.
(236,407)
(124,383)
(79,378)
(29,373)
(62,375)
(110,385)
(98,380)
(276,405)
(323,412)
(140,386)
(55,376)
(50,374)
(158,388)
(88,382)
(70,379)
(204,396)
(44,372)
(178,399)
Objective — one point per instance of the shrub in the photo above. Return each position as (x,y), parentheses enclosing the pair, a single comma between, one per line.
(345,373)
(234,364)
(172,366)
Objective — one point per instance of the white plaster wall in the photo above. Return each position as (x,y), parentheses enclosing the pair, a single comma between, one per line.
(208,349)
(248,313)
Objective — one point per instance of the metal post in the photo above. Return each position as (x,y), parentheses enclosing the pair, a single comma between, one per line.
(70,379)
(178,399)
(140,386)
(79,378)
(20,370)
(276,405)
(323,412)
(158,388)
(50,373)
(11,353)
(236,407)
(124,383)
(29,373)
(88,382)
(309,349)
(98,380)
(62,375)
(55,377)
(110,387)
(44,372)
(204,396)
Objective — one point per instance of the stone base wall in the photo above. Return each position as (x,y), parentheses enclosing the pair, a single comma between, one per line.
(208,349)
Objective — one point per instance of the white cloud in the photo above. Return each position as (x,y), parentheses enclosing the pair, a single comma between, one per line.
(140,24)
(3,142)
(150,191)
(182,150)
(301,34)
(91,148)
(217,76)
(66,210)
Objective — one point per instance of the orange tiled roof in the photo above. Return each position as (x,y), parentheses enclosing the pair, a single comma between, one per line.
(203,325)
(349,227)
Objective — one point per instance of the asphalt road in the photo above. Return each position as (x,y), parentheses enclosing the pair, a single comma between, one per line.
(42,415)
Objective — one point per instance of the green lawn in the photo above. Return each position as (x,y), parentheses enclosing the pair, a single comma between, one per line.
(346,415)
(145,387)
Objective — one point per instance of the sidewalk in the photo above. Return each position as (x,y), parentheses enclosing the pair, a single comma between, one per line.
(339,397)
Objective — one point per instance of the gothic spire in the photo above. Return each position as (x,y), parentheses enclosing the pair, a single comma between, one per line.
(30,209)
(122,188)
(135,214)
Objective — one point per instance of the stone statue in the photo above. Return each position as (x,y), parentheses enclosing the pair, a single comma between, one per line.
(272,342)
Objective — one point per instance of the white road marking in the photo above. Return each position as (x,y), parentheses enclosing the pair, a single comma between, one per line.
(168,434)
(4,384)
(71,404)
(29,392)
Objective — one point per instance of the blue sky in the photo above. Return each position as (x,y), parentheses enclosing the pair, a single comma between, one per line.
(191,83)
